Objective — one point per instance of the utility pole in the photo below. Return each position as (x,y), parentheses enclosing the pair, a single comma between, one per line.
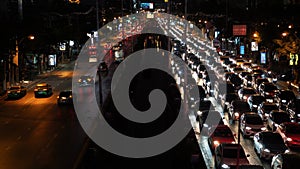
(20,10)
(97,14)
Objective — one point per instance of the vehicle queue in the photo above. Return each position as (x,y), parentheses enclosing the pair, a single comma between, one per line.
(253,96)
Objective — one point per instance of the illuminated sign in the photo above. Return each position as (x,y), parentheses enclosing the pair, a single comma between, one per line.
(254,46)
(242,50)
(145,5)
(263,58)
(239,30)
(293,59)
(51,60)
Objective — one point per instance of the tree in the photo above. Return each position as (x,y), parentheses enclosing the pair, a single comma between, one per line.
(290,43)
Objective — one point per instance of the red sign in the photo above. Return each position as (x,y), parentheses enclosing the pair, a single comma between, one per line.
(239,30)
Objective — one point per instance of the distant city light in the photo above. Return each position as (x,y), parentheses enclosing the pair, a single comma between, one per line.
(74,1)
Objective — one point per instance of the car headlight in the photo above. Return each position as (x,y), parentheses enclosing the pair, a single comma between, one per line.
(263,128)
(18,91)
(255,106)
(225,166)
(276,125)
(283,101)
(8,92)
(244,97)
(248,128)
(286,151)
(267,150)
(267,93)
(236,114)
(298,115)
(289,139)
(216,143)
(249,82)
(205,125)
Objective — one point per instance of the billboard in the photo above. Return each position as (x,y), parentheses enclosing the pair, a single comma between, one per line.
(52,60)
(254,46)
(239,30)
(263,58)
(147,5)
(242,49)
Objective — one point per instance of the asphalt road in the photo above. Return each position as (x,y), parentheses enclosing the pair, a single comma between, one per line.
(36,133)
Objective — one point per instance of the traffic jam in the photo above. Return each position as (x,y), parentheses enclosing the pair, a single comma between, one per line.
(259,126)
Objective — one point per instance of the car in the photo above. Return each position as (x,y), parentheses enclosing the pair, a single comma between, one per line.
(245,92)
(285,161)
(290,133)
(15,92)
(246,65)
(237,70)
(42,89)
(283,97)
(222,89)
(255,100)
(244,73)
(277,117)
(247,81)
(227,75)
(218,135)
(272,77)
(227,99)
(256,76)
(251,123)
(287,76)
(85,80)
(65,97)
(202,93)
(268,90)
(226,156)
(205,124)
(265,108)
(259,81)
(239,62)
(236,81)
(267,144)
(103,67)
(257,70)
(293,109)
(237,108)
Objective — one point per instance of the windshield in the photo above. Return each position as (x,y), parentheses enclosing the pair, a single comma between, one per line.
(258,99)
(224,132)
(15,88)
(270,87)
(256,120)
(287,95)
(272,138)
(281,117)
(231,152)
(269,108)
(248,91)
(65,94)
(293,129)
